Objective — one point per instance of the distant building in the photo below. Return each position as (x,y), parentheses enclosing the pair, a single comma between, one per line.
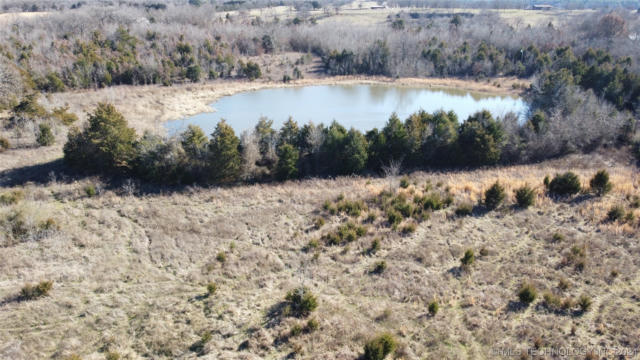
(542,7)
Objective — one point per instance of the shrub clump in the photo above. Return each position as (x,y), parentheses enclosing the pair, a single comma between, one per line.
(351,208)
(301,302)
(409,228)
(468,258)
(577,256)
(566,184)
(375,246)
(552,301)
(615,213)
(433,308)
(211,288)
(345,233)
(49,224)
(4,144)
(527,293)
(396,207)
(311,245)
(494,196)
(64,116)
(329,207)
(379,267)
(400,205)
(379,347)
(404,182)
(295,330)
(394,218)
(90,190)
(584,302)
(111,355)
(371,217)
(311,326)
(31,292)
(45,135)
(557,237)
(635,202)
(464,210)
(600,183)
(432,201)
(525,196)
(12,197)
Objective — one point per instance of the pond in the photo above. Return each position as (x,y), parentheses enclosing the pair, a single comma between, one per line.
(363,107)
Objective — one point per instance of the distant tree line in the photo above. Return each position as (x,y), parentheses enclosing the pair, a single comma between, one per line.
(222,5)
(104,61)
(596,70)
(147,43)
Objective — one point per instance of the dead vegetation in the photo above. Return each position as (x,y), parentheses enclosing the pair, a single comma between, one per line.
(139,274)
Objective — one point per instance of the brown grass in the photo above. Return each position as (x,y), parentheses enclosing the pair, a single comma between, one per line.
(354,14)
(131,272)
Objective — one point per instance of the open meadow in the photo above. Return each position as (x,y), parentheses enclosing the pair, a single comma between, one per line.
(130,269)
(434,234)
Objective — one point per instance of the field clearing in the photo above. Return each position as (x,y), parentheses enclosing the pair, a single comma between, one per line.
(515,17)
(130,270)
(362,14)
(8,18)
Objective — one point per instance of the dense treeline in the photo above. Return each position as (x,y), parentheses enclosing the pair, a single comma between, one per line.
(136,44)
(226,5)
(107,145)
(596,70)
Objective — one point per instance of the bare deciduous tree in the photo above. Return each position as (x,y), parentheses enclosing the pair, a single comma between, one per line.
(250,155)
(391,171)
(10,84)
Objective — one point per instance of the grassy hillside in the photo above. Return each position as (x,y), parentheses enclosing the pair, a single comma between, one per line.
(204,272)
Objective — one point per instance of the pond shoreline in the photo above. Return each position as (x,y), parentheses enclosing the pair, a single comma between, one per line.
(360,106)
(148,107)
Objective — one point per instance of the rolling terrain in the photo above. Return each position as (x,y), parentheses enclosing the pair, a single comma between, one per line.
(130,268)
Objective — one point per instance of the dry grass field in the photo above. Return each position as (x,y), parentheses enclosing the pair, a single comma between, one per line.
(8,18)
(360,12)
(130,267)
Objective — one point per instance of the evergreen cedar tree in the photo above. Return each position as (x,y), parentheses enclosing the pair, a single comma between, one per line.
(106,144)
(287,167)
(224,156)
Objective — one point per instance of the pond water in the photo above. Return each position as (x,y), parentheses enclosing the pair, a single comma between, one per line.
(363,107)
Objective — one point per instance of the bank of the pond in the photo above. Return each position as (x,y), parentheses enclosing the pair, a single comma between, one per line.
(359,106)
(149,107)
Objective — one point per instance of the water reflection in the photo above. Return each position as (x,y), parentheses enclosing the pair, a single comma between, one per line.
(361,106)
